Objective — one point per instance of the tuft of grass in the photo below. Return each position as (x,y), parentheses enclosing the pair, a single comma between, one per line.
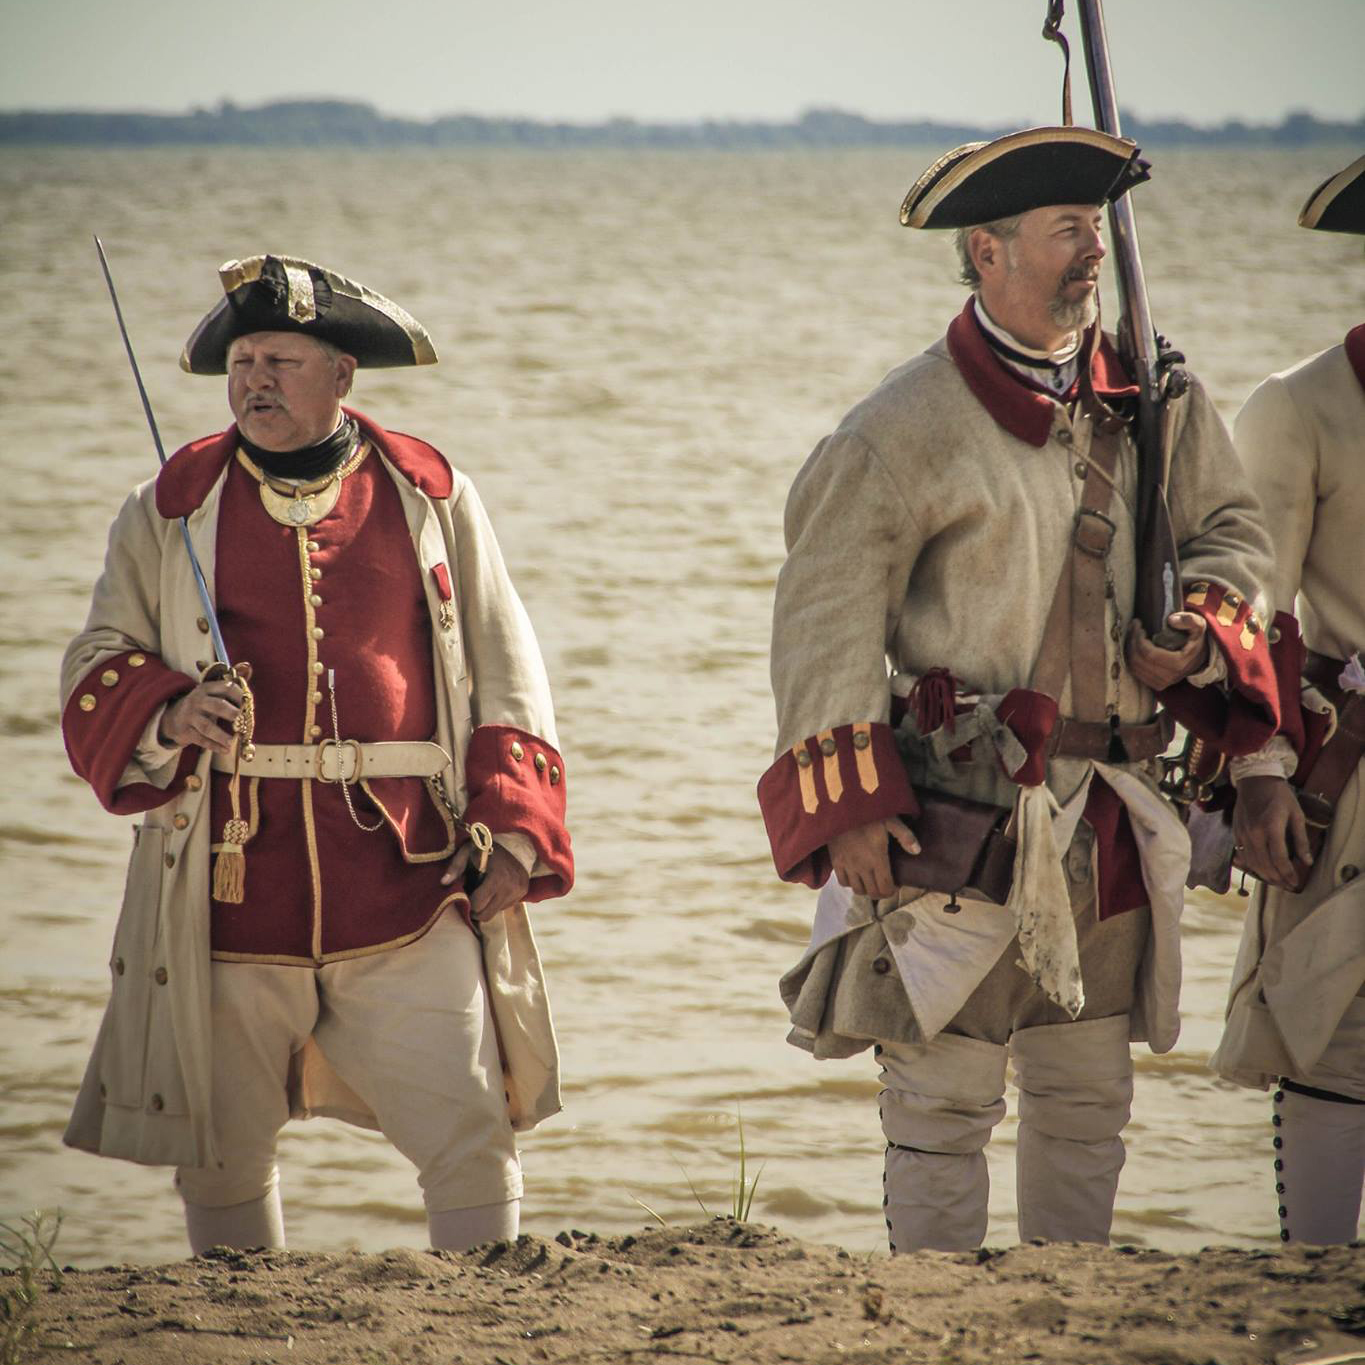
(26,1254)
(742,1189)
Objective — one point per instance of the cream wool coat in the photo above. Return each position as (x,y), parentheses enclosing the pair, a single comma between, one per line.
(923,533)
(146,1093)
(1301,962)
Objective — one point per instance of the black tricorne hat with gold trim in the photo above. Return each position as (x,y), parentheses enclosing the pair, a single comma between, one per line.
(981,182)
(1338,204)
(286,294)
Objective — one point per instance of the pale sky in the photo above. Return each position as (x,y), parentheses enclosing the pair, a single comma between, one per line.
(979,61)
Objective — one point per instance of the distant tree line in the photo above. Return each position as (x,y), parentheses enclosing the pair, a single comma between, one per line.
(311,123)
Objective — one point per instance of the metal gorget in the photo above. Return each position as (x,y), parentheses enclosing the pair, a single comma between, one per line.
(302,504)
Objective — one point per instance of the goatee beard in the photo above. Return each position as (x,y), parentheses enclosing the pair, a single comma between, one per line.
(1074,314)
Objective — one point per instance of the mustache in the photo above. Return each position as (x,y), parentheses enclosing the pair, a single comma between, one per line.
(1081,272)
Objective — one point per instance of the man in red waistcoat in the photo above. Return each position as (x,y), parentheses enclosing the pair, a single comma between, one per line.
(324,911)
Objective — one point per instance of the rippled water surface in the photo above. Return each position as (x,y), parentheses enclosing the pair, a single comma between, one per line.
(638,351)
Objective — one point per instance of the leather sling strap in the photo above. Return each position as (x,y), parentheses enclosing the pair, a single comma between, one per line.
(1073,638)
(1341,755)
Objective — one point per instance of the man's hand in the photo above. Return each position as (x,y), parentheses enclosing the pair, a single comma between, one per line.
(862,861)
(504,882)
(202,717)
(1266,821)
(1162,668)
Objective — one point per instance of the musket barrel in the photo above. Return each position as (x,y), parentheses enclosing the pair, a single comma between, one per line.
(1123,223)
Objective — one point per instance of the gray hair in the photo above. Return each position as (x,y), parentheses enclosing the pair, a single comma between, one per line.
(1003,228)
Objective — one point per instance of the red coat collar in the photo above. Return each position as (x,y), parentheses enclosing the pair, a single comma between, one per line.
(186,478)
(1022,410)
(1355,351)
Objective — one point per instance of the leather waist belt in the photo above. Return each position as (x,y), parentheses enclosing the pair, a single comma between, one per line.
(1322,670)
(1093,739)
(346,761)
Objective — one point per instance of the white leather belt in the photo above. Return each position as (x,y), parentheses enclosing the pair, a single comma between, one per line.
(348,760)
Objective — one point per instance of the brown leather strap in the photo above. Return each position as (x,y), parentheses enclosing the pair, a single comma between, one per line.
(1339,758)
(1073,638)
(1094,739)
(1322,670)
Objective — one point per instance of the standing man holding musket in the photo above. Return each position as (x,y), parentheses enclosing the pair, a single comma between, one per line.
(1002,878)
(323,914)
(1296,1017)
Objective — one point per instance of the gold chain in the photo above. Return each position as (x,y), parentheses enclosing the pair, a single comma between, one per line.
(346,786)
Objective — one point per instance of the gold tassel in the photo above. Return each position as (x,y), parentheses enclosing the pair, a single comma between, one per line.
(229,867)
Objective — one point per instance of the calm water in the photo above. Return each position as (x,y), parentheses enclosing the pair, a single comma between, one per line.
(639,350)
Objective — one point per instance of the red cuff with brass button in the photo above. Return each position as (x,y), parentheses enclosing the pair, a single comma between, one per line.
(517,786)
(103,722)
(828,784)
(1241,719)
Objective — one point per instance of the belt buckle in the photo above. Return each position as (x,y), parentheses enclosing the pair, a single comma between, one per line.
(352,744)
(1105,532)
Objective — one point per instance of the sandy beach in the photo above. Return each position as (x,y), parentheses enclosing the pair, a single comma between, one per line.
(719,1291)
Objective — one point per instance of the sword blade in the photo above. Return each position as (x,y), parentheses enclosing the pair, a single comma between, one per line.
(206,601)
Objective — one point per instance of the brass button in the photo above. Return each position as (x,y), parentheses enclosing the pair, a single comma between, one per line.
(87,702)
(1350,872)
(203,626)
(170,860)
(541,763)
(317,697)
(317,666)
(315,730)
(160,977)
(311,547)
(803,759)
(315,574)
(109,677)
(1080,469)
(181,822)
(881,965)
(861,739)
(517,750)
(554,777)
(315,600)
(193,782)
(1064,435)
(118,966)
(158,1103)
(136,660)
(318,632)
(827,747)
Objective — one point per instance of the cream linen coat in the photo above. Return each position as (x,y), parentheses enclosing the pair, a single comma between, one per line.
(923,532)
(1301,962)
(146,1093)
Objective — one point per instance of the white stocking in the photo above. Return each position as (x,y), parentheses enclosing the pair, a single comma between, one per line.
(257,1223)
(460,1229)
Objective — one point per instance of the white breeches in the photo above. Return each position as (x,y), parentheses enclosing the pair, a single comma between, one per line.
(409,1030)
(941,1100)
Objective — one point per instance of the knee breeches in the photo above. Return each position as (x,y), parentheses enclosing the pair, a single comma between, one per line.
(408,1030)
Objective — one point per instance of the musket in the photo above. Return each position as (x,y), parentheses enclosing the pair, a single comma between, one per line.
(1153,364)
(220,653)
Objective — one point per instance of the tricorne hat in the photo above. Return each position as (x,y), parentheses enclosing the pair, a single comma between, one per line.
(1338,204)
(981,182)
(286,294)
